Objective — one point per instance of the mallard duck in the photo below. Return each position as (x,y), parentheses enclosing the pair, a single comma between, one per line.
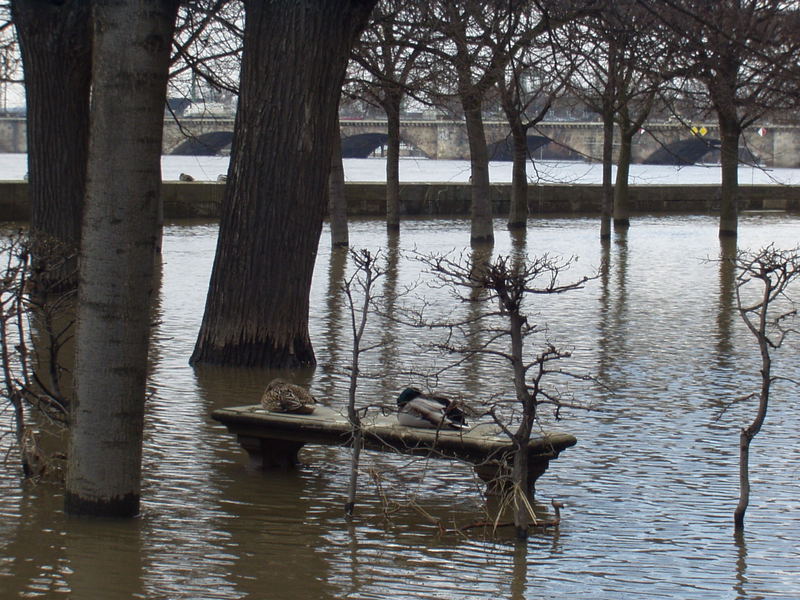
(281,396)
(421,410)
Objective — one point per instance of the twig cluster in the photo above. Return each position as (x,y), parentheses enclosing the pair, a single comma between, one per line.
(35,324)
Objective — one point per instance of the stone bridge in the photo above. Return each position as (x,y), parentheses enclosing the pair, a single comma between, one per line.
(659,143)
(774,146)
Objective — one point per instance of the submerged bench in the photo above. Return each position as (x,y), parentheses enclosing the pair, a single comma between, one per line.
(273,439)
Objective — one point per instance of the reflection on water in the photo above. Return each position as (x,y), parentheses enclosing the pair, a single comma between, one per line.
(391,282)
(612,324)
(740,585)
(726,315)
(649,489)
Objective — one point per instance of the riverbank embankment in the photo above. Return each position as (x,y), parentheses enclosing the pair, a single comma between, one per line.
(203,199)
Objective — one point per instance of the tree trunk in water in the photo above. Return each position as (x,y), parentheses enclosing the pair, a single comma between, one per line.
(518,212)
(55,43)
(622,210)
(729,192)
(293,65)
(744,480)
(520,476)
(392,108)
(519,471)
(482,231)
(608,187)
(355,458)
(131,60)
(337,199)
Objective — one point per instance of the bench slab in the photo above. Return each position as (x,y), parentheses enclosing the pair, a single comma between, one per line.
(273,439)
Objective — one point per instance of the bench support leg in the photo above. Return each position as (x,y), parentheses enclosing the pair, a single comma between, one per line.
(497,476)
(268,454)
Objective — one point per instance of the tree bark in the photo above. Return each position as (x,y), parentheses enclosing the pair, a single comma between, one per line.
(482,230)
(518,211)
(337,199)
(729,131)
(392,107)
(608,187)
(293,66)
(130,65)
(519,472)
(55,44)
(622,209)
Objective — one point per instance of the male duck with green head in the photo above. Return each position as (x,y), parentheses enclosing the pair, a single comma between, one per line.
(417,409)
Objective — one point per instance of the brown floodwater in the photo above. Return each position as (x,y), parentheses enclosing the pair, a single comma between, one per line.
(649,489)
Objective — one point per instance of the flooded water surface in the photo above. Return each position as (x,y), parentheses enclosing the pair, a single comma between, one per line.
(649,489)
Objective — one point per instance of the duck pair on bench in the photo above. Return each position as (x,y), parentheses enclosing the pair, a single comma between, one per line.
(415,408)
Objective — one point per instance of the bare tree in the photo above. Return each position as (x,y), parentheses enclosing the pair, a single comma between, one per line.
(533,79)
(384,66)
(744,54)
(205,65)
(763,282)
(592,78)
(640,61)
(615,57)
(507,284)
(478,39)
(10,60)
(358,288)
(526,92)
(208,47)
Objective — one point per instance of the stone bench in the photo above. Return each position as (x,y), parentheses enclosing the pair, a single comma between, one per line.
(273,439)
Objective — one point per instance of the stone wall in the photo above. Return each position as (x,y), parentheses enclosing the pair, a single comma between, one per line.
(202,199)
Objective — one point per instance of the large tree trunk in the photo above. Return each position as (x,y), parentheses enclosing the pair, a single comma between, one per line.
(729,194)
(131,60)
(518,211)
(482,230)
(293,65)
(392,108)
(55,43)
(622,209)
(337,198)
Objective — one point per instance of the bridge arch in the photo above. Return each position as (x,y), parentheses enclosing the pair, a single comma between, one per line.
(503,150)
(206,144)
(683,152)
(362,145)
(540,147)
